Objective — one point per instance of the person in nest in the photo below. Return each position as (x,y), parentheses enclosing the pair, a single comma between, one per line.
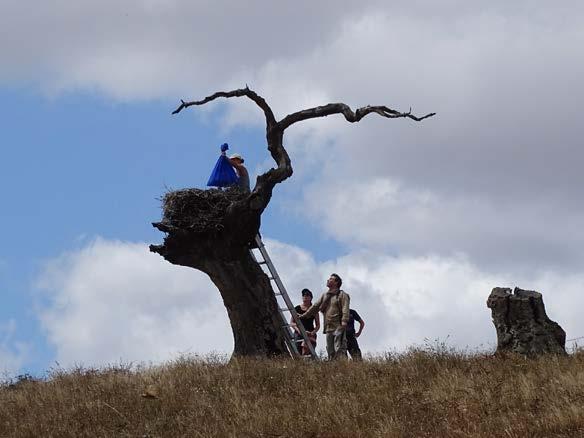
(334,304)
(311,325)
(237,161)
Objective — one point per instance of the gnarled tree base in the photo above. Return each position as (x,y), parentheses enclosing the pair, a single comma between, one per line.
(522,323)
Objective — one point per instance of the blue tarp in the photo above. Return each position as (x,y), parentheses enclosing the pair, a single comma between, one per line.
(223,174)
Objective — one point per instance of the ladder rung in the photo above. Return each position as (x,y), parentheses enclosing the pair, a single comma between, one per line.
(280,291)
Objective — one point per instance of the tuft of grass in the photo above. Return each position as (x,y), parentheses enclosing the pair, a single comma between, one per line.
(436,392)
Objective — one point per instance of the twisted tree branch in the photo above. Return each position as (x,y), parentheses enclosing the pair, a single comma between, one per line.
(260,101)
(350,116)
(265,183)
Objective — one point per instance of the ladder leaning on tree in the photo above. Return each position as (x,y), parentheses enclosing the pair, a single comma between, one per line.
(283,300)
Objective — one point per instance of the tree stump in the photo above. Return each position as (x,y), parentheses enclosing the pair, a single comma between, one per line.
(522,323)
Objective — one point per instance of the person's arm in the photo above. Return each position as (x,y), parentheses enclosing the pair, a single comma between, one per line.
(317,323)
(312,310)
(235,163)
(293,324)
(345,308)
(361,326)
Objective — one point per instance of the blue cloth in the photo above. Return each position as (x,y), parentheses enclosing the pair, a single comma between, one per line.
(223,174)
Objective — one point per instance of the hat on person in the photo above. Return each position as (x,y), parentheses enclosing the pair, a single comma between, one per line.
(306,292)
(239,157)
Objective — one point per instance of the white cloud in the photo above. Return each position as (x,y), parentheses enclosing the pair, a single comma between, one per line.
(114,301)
(387,215)
(13,353)
(404,300)
(495,172)
(408,299)
(498,168)
(145,49)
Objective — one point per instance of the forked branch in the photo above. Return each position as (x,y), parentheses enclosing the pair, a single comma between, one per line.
(350,116)
(275,131)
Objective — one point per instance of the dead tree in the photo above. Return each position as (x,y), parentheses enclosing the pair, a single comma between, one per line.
(212,230)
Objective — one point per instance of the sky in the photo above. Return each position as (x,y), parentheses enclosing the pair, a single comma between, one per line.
(421,220)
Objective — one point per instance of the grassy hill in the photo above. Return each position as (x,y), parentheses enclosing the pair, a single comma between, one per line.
(419,393)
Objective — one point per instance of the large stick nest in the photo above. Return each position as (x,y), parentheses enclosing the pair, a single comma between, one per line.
(199,211)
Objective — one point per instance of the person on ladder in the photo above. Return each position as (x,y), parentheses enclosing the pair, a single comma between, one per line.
(311,325)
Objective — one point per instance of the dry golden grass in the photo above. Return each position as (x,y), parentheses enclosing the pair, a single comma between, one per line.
(419,393)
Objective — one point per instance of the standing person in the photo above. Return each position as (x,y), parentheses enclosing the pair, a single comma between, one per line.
(311,325)
(237,161)
(352,344)
(334,304)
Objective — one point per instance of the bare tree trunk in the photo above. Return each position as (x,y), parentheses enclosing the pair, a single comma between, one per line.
(213,230)
(251,306)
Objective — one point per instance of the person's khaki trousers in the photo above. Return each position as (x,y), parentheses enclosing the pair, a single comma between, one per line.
(336,344)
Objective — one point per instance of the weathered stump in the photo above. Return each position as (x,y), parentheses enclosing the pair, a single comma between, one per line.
(522,323)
